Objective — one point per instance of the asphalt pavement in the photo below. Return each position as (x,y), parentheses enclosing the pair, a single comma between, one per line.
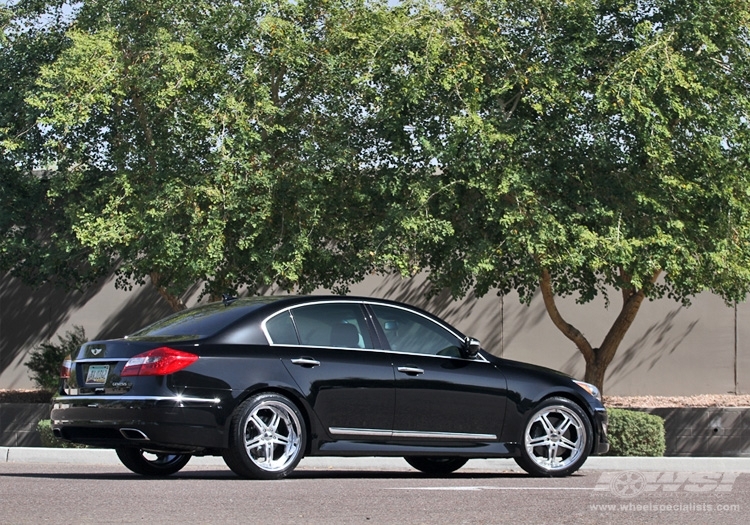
(663,464)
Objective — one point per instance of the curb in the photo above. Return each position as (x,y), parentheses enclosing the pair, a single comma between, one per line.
(108,457)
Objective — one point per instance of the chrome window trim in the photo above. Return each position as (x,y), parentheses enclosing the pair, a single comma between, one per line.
(380,350)
(371,432)
(478,359)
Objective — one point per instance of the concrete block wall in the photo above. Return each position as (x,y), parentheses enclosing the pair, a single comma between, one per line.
(670,350)
(18,423)
(706,432)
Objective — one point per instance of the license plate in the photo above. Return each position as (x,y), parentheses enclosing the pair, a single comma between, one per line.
(97,374)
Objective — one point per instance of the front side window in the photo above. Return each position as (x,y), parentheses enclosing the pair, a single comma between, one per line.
(411,333)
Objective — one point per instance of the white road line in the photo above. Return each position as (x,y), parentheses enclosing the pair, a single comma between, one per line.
(490,488)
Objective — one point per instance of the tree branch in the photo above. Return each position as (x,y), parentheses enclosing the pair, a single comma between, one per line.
(568,330)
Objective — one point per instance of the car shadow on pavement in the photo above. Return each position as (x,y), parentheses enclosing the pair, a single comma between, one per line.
(302,474)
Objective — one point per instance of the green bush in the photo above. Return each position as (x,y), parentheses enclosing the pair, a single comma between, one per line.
(44,427)
(633,433)
(45,360)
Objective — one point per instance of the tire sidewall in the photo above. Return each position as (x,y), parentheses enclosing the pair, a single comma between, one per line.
(436,466)
(135,461)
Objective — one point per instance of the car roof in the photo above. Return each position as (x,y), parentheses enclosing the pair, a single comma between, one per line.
(215,319)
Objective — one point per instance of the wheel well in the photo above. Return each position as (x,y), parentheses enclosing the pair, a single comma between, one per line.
(583,406)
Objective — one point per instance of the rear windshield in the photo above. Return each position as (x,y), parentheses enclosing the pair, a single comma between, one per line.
(201,321)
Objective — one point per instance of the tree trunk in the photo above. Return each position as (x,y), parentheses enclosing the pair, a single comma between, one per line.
(597,359)
(174,301)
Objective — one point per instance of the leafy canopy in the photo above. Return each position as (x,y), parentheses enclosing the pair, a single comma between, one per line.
(567,146)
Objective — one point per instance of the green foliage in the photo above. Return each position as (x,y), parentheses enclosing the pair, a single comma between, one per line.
(49,440)
(634,433)
(585,146)
(45,360)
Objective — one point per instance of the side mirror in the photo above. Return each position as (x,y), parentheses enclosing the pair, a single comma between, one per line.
(470,347)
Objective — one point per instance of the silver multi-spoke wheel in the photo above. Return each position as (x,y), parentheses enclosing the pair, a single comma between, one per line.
(267,439)
(272,436)
(556,440)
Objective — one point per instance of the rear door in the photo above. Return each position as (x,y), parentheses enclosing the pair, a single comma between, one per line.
(328,348)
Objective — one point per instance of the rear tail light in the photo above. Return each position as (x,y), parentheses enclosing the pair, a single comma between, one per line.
(158,362)
(65,367)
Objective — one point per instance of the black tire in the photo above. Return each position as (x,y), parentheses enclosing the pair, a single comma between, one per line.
(267,438)
(436,466)
(148,463)
(556,439)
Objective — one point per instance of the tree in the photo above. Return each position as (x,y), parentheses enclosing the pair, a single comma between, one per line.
(210,142)
(37,243)
(583,146)
(574,147)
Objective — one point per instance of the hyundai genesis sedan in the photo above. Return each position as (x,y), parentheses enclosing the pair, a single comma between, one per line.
(265,381)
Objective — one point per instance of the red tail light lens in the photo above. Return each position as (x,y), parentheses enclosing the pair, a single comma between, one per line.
(65,367)
(158,362)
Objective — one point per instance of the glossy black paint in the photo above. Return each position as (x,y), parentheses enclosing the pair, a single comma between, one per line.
(377,400)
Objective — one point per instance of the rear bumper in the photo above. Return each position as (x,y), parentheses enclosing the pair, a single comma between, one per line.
(166,422)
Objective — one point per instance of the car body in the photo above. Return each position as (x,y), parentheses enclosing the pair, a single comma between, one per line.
(264,381)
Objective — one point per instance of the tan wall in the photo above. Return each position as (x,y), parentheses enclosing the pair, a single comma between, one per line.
(670,350)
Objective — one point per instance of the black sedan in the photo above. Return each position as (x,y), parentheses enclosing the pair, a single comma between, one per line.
(264,381)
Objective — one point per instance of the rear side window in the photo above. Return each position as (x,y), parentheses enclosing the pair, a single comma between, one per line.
(281,330)
(332,325)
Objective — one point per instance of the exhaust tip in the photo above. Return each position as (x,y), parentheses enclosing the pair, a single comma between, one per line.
(134,434)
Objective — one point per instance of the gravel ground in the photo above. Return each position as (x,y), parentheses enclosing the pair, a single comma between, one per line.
(705,400)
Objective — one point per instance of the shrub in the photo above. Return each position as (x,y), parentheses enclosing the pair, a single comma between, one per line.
(49,440)
(634,433)
(45,360)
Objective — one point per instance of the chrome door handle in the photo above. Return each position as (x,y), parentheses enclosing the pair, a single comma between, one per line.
(306,361)
(410,370)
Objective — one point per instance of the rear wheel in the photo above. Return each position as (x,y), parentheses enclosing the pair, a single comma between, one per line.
(267,438)
(148,463)
(436,466)
(556,440)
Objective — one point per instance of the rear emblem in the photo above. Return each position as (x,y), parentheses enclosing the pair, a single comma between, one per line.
(96,351)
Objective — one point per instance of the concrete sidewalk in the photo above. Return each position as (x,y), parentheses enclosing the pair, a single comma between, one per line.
(665,464)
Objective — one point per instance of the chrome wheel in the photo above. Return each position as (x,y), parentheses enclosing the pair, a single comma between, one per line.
(272,436)
(556,439)
(268,437)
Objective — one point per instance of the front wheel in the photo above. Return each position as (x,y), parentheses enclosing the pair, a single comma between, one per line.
(556,440)
(148,463)
(267,438)
(436,466)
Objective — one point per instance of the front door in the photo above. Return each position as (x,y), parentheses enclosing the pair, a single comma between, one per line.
(440,394)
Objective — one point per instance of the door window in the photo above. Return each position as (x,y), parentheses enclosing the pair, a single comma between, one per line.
(333,325)
(412,333)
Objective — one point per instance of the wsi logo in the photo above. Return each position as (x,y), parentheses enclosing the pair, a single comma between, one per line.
(631,483)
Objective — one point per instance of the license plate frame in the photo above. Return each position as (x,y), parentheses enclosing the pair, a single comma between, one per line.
(97,374)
